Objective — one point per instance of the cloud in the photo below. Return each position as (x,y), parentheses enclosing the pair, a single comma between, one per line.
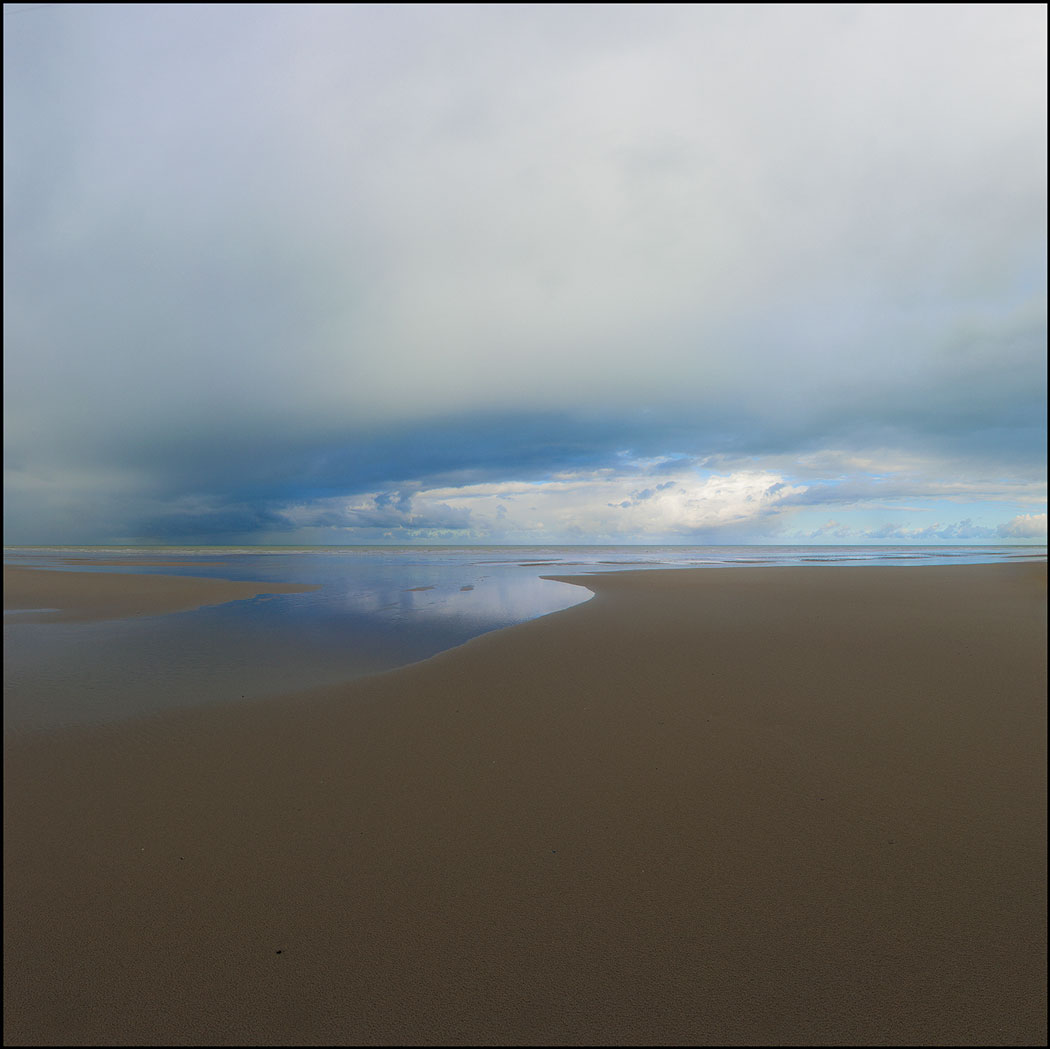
(576,506)
(333,251)
(960,530)
(414,513)
(965,531)
(1024,526)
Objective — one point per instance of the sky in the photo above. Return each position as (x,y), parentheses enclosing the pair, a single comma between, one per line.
(347,274)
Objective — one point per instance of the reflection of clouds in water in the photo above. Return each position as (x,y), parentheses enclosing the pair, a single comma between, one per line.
(501,600)
(362,621)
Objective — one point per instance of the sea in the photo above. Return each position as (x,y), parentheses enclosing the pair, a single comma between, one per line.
(378,607)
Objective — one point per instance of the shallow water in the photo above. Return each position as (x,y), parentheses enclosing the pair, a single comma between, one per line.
(378,608)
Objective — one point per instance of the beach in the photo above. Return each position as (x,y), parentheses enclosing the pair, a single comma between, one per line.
(712,806)
(83,597)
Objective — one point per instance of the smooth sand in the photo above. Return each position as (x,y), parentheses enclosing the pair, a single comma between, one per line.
(784,805)
(74,597)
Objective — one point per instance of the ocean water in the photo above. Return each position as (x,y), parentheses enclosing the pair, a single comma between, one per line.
(378,608)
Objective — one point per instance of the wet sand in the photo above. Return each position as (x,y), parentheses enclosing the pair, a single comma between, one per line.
(79,597)
(136,562)
(718,806)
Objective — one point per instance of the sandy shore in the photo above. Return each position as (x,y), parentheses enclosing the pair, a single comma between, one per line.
(75,597)
(786,806)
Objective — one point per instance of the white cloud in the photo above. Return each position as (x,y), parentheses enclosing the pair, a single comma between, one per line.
(593,505)
(1025,526)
